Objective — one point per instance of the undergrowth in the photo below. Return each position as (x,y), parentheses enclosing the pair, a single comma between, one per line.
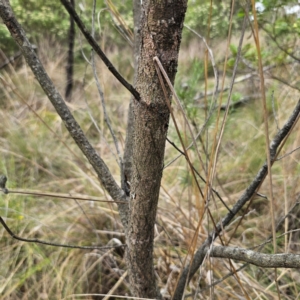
(43,158)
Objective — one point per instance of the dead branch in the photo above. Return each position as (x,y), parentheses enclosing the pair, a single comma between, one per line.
(192,268)
(60,106)
(284,260)
(37,241)
(98,50)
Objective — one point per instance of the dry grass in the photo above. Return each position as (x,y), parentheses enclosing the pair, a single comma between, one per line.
(37,158)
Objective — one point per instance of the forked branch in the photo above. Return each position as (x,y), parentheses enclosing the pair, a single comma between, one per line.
(201,253)
(59,104)
(70,9)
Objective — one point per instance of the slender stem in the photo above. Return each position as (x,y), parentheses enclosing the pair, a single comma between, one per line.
(98,50)
(275,147)
(104,174)
(54,244)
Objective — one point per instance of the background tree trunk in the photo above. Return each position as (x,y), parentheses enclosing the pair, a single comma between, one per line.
(70,59)
(161,27)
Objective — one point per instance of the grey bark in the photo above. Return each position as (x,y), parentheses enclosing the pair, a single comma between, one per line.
(160,35)
(61,108)
(284,260)
(161,26)
(192,268)
(127,158)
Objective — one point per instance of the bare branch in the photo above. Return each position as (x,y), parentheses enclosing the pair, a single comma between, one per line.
(216,73)
(101,94)
(278,44)
(240,79)
(260,247)
(56,99)
(98,50)
(54,244)
(241,102)
(287,154)
(285,82)
(56,195)
(199,175)
(285,260)
(191,269)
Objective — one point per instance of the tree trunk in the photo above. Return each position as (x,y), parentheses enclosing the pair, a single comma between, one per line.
(160,34)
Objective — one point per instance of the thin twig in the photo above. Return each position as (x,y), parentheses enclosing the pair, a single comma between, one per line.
(98,50)
(10,59)
(38,194)
(54,244)
(89,111)
(285,82)
(231,87)
(101,94)
(103,295)
(238,80)
(59,104)
(275,148)
(287,154)
(199,175)
(218,137)
(278,44)
(255,32)
(260,247)
(274,111)
(213,63)
(160,70)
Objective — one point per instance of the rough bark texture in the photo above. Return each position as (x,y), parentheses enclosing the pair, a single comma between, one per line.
(283,260)
(128,155)
(190,270)
(161,26)
(160,35)
(61,108)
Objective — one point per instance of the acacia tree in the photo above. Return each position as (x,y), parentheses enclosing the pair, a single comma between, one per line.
(158,28)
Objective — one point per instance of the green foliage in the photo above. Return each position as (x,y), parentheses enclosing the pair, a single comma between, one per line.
(280,20)
(42,16)
(200,15)
(39,18)
(33,159)
(187,88)
(49,18)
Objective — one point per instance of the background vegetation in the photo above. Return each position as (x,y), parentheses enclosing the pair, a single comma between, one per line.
(38,155)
